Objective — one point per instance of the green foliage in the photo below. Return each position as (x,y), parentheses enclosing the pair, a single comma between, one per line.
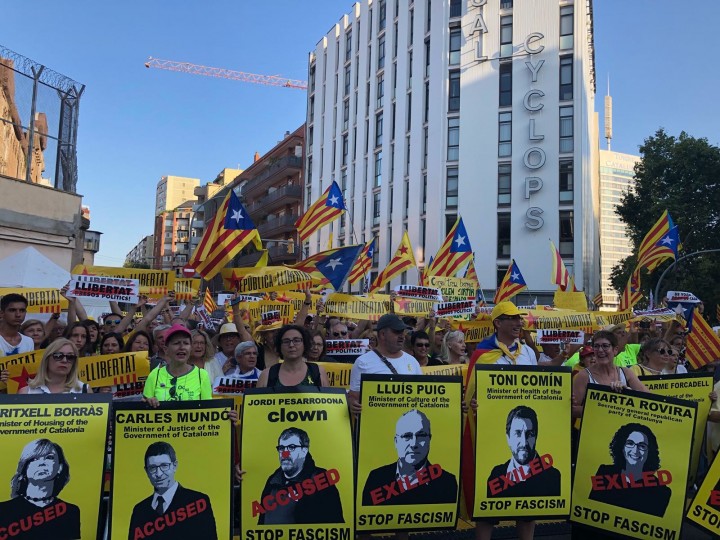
(135,264)
(680,174)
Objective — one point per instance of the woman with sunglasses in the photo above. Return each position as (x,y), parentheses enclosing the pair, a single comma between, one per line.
(653,358)
(292,341)
(178,380)
(58,371)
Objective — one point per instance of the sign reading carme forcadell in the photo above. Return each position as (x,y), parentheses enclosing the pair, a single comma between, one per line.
(632,464)
(157,488)
(409,453)
(53,455)
(522,452)
(297,450)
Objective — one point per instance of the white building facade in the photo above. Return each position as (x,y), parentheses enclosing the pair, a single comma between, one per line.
(425,110)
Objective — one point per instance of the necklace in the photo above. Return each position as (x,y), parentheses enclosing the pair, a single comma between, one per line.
(39,499)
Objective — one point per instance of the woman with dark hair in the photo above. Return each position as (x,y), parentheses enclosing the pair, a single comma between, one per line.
(42,473)
(139,341)
(292,341)
(93,329)
(634,481)
(78,334)
(653,357)
(111,343)
(316,353)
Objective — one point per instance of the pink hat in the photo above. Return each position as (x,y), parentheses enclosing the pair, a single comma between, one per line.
(176,329)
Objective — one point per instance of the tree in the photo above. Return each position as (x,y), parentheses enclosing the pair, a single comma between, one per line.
(135,264)
(681,175)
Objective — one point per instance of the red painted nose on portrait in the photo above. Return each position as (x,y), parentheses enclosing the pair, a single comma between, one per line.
(285,454)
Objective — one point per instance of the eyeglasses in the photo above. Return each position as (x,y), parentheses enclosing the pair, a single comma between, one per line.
(113,322)
(173,388)
(338,334)
(164,467)
(602,345)
(289,447)
(418,344)
(293,341)
(58,356)
(420,435)
(664,351)
(632,444)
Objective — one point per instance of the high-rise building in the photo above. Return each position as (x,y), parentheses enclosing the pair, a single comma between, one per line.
(617,173)
(172,191)
(172,238)
(142,253)
(424,111)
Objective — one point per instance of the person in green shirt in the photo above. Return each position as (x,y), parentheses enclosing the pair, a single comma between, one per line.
(628,352)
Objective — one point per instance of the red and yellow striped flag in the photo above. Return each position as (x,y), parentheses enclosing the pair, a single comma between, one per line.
(208,302)
(703,345)
(402,261)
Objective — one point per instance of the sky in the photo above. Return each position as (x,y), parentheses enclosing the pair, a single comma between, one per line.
(138,124)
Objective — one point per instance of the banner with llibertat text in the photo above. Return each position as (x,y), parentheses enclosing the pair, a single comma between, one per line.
(53,457)
(522,452)
(297,450)
(408,461)
(40,300)
(172,471)
(632,463)
(153,283)
(264,278)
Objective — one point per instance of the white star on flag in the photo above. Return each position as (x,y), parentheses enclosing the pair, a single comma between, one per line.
(237,216)
(515,276)
(333,263)
(667,240)
(334,200)
(460,240)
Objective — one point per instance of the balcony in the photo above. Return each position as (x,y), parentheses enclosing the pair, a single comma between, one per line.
(245,260)
(280,254)
(276,199)
(288,166)
(278,226)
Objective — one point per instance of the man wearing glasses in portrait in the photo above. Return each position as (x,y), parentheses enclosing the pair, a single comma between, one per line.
(412,479)
(172,511)
(287,497)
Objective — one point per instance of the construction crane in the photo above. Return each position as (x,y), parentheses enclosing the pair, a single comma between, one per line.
(222,73)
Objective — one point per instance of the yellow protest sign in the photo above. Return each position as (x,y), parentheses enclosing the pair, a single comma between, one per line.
(33,358)
(155,450)
(453,288)
(19,374)
(153,283)
(258,309)
(412,307)
(265,278)
(475,331)
(632,463)
(113,369)
(694,387)
(574,301)
(606,318)
(297,451)
(338,374)
(357,307)
(523,466)
(186,289)
(298,298)
(53,449)
(39,300)
(705,507)
(409,453)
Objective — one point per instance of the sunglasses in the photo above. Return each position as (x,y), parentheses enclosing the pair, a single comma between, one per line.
(173,388)
(418,344)
(58,356)
(338,334)
(664,351)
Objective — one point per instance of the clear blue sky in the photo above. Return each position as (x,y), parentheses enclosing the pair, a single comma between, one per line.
(137,125)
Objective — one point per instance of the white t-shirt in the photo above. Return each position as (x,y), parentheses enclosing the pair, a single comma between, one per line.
(370,362)
(527,357)
(26,345)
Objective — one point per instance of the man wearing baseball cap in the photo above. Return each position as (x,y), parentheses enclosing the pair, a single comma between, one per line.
(387,358)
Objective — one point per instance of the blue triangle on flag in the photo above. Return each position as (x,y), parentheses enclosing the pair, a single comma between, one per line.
(237,218)
(336,266)
(460,242)
(335,197)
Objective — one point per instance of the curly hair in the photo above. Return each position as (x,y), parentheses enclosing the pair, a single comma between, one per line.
(303,333)
(617,446)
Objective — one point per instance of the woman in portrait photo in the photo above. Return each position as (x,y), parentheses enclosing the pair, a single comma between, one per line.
(42,473)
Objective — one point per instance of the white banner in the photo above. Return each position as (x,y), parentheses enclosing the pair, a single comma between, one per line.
(117,289)
(455,309)
(346,347)
(575,337)
(419,293)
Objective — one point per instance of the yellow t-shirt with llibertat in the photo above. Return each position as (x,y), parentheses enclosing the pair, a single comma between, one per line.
(194,385)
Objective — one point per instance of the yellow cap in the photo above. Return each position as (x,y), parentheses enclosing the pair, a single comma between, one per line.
(505,308)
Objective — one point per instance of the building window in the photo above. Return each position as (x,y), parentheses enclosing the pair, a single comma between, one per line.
(392,121)
(505,134)
(395,40)
(309,169)
(454,92)
(455,8)
(450,220)
(347,81)
(455,45)
(566,27)
(426,115)
(506,84)
(380,90)
(566,180)
(348,46)
(566,129)
(345,147)
(381,53)
(566,78)
(453,150)
(567,233)
(382,15)
(424,199)
(312,78)
(506,36)
(310,136)
(410,69)
(451,189)
(406,197)
(504,184)
(346,114)
(427,57)
(411,25)
(503,244)
(378,129)
(409,112)
(378,169)
(425,148)
(376,209)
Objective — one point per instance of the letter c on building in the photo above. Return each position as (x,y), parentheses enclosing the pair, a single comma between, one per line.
(535,36)
(527,100)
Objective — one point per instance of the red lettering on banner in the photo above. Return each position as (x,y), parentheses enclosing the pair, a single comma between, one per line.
(404,483)
(308,486)
(170,519)
(714,498)
(607,482)
(23,525)
(505,481)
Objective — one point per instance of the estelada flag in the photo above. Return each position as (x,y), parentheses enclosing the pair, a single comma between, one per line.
(454,252)
(402,261)
(512,283)
(363,263)
(660,243)
(326,209)
(632,294)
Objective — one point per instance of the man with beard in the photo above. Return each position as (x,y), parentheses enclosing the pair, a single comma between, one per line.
(412,479)
(287,498)
(519,476)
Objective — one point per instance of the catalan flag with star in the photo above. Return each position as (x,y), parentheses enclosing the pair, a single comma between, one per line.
(512,284)
(454,252)
(336,267)
(632,293)
(403,260)
(230,231)
(309,265)
(660,243)
(363,263)
(326,209)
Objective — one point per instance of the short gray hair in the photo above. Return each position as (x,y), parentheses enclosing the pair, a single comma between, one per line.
(160,329)
(243,346)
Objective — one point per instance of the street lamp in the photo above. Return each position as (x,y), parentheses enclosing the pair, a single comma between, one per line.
(689,255)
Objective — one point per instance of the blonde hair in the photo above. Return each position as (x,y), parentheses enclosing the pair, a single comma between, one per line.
(209,347)
(41,379)
(451,337)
